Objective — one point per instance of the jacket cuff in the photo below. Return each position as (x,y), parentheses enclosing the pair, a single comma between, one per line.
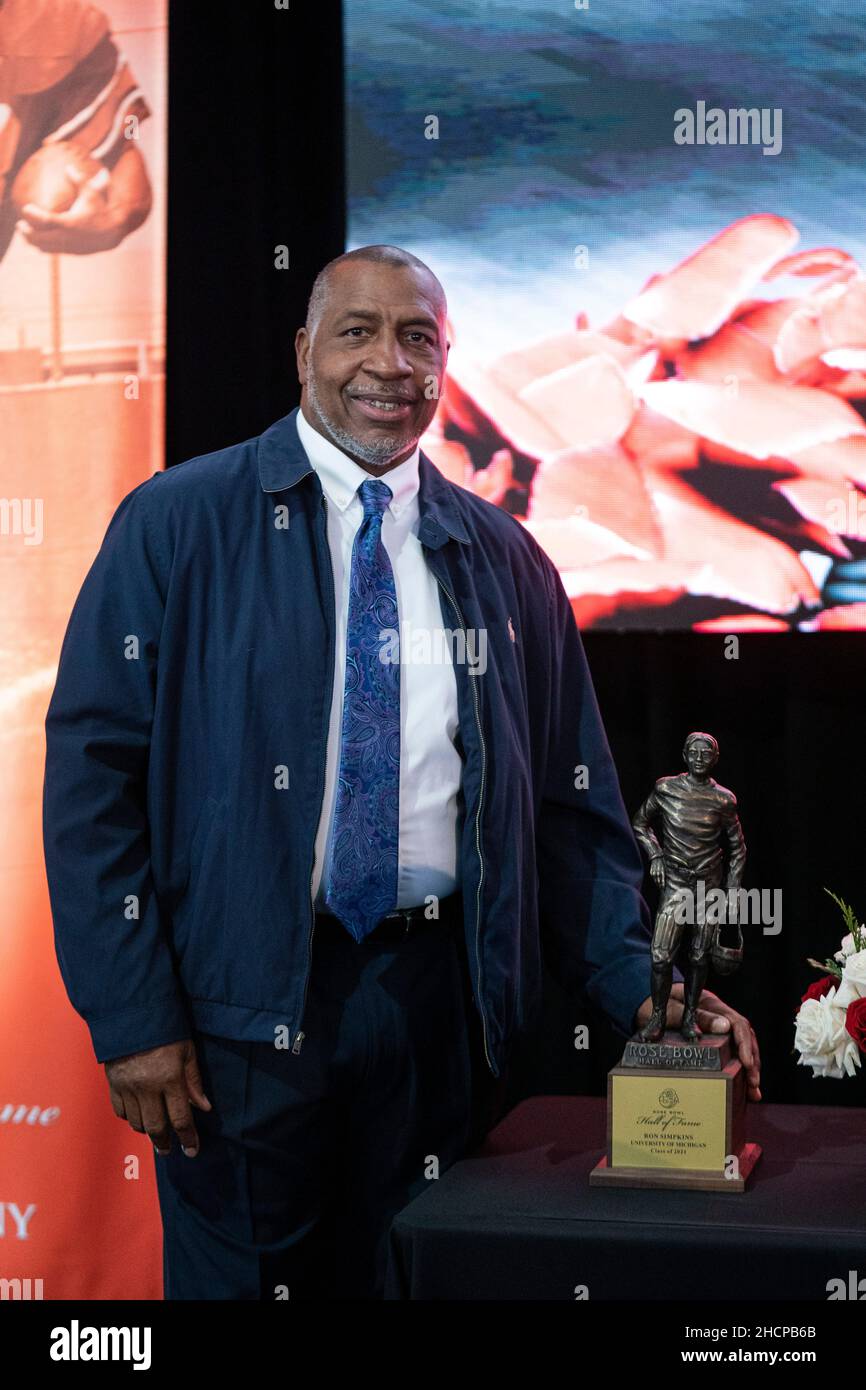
(136,1030)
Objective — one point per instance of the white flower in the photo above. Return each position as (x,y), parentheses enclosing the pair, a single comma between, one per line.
(822,1039)
(853,984)
(846,949)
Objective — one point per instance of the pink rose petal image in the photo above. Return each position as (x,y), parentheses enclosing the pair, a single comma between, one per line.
(741,622)
(701,551)
(849,615)
(624,331)
(493,482)
(820,261)
(851,359)
(589,403)
(572,390)
(833,322)
(736,561)
(477,404)
(565,539)
(838,461)
(736,353)
(842,380)
(547,356)
(452,459)
(615,588)
(699,295)
(764,342)
(455,462)
(652,439)
(757,418)
(695,447)
(838,511)
(603,488)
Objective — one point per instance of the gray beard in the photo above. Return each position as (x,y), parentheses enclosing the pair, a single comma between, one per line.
(377,451)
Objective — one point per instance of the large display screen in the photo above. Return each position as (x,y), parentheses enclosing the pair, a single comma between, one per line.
(648,220)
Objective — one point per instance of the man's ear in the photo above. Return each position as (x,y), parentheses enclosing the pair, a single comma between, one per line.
(302,352)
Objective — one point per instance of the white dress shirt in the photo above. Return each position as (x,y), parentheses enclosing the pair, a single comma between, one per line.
(430,765)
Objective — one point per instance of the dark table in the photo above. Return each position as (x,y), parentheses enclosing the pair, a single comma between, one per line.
(518,1219)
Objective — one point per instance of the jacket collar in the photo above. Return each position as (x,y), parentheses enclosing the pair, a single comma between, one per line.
(283,462)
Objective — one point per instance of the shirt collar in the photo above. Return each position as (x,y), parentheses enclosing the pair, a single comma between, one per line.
(341,476)
(281,462)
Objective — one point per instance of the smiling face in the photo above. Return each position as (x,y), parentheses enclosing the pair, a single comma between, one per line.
(373,368)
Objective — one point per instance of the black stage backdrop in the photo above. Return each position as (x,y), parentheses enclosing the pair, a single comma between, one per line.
(256,162)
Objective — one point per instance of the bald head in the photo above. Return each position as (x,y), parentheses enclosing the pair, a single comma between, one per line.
(393,256)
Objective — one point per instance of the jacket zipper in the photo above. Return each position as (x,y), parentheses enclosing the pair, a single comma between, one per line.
(477,827)
(299,1036)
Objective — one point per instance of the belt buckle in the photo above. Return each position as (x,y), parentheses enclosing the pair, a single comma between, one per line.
(392,917)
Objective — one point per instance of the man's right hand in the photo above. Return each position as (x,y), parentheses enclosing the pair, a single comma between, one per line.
(657,871)
(153,1090)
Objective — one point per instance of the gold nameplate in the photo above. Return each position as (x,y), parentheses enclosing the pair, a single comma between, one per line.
(668,1122)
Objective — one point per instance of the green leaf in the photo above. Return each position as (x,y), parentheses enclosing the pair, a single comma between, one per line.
(853,927)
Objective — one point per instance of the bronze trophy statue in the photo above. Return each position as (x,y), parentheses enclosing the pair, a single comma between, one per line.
(676,1102)
(699,831)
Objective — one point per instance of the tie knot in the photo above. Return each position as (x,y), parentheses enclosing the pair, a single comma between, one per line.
(375,496)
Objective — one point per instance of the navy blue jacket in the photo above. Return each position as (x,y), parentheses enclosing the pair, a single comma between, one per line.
(195,681)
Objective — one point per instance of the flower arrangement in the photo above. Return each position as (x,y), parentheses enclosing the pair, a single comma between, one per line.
(830,1026)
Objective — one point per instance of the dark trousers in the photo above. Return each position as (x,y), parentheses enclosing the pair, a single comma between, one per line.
(304,1160)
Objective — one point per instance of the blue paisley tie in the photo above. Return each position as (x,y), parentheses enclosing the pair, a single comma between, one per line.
(362,884)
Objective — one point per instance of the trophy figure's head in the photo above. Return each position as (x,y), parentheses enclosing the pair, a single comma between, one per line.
(700,754)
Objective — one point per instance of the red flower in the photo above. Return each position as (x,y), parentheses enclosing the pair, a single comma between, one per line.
(855,1022)
(820,988)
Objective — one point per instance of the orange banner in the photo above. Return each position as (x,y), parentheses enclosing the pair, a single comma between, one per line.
(82,347)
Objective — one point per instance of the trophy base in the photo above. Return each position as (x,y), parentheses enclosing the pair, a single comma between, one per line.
(604,1176)
(676,1114)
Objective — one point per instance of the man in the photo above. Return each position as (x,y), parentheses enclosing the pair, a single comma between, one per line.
(64,79)
(695,814)
(296,884)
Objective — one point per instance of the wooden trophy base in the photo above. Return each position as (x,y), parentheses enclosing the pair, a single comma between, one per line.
(676,1117)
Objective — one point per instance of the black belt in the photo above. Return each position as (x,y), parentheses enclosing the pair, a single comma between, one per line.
(404,921)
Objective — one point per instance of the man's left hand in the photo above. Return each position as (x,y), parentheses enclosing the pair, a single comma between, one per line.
(714,1016)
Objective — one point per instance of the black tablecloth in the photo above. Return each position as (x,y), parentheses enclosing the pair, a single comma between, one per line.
(519,1220)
